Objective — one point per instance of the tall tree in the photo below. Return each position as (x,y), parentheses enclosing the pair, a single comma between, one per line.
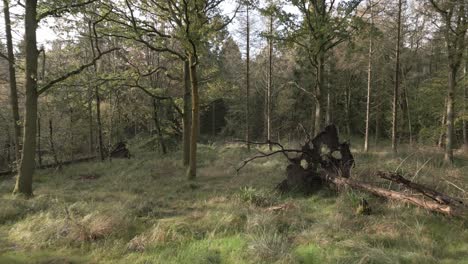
(453,16)
(324,25)
(369,79)
(247,75)
(397,81)
(270,74)
(31,19)
(12,80)
(465,108)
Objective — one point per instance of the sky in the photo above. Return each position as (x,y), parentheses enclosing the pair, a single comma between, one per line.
(45,34)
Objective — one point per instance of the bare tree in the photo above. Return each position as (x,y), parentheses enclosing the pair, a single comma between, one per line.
(453,15)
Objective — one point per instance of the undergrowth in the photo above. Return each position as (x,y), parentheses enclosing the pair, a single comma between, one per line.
(143,210)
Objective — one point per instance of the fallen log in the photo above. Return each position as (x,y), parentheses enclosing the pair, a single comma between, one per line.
(428,192)
(52,165)
(434,206)
(324,161)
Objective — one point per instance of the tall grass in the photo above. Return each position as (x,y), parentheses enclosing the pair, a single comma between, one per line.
(143,210)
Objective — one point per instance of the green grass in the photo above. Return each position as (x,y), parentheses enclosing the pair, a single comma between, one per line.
(143,210)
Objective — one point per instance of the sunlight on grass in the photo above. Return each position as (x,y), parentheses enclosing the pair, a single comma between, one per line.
(143,210)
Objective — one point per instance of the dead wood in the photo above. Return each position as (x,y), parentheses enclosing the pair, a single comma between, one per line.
(53,165)
(429,204)
(120,150)
(324,161)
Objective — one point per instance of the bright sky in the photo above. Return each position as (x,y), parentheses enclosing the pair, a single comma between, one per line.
(45,34)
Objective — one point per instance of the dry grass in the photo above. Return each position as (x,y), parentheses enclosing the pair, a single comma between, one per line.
(143,210)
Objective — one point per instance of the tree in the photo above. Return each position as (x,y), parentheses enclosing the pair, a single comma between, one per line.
(324,25)
(27,165)
(247,75)
(453,16)
(12,80)
(369,79)
(397,81)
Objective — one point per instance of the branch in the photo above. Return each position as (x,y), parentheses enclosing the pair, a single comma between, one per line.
(437,8)
(264,155)
(74,72)
(282,150)
(432,194)
(56,11)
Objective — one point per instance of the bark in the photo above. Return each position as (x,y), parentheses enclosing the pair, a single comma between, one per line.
(186,117)
(91,121)
(318,93)
(52,144)
(433,206)
(440,142)
(397,82)
(449,140)
(12,81)
(465,111)
(158,127)
(348,105)
(369,81)
(247,80)
(270,76)
(99,123)
(378,114)
(213,119)
(39,149)
(328,116)
(408,114)
(27,164)
(192,170)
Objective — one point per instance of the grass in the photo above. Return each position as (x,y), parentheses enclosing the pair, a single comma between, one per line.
(143,210)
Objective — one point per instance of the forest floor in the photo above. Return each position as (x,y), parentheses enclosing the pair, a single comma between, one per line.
(143,210)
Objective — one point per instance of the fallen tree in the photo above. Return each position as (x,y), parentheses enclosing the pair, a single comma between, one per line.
(323,162)
(52,165)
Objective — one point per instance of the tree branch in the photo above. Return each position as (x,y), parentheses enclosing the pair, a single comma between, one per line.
(74,72)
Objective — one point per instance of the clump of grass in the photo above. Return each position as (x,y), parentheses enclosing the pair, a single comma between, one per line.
(266,246)
(256,197)
(48,229)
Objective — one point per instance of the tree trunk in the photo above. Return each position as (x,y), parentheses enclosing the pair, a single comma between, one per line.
(247,80)
(99,122)
(408,114)
(12,81)
(52,144)
(39,149)
(312,119)
(8,145)
(27,164)
(440,142)
(213,119)
(71,134)
(450,115)
(158,127)
(397,82)
(318,94)
(186,117)
(192,170)
(348,105)
(91,121)
(369,81)
(269,85)
(328,115)
(465,111)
